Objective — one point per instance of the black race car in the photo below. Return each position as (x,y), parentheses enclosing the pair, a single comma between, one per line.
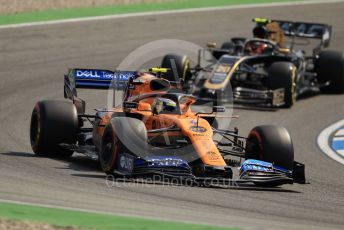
(264,70)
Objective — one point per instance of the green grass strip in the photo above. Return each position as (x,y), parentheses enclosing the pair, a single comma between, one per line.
(64,218)
(49,15)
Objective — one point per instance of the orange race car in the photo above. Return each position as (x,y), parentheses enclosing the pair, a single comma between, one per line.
(155,132)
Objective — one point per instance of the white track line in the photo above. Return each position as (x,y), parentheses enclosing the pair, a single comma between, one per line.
(192,10)
(324,141)
(341,152)
(340,132)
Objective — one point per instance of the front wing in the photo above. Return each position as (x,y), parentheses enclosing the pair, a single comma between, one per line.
(274,98)
(163,168)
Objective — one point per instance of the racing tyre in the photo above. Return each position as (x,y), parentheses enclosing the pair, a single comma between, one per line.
(179,67)
(330,68)
(53,123)
(123,134)
(282,75)
(271,144)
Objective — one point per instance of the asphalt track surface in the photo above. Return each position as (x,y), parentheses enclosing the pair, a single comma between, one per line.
(33,61)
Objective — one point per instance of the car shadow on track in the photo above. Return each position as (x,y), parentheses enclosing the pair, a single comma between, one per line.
(265,189)
(81,163)
(19,154)
(77,162)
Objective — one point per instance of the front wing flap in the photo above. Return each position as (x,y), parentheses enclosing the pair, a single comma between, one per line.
(264,172)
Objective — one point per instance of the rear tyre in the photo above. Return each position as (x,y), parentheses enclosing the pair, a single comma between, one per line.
(53,123)
(122,134)
(179,67)
(271,144)
(282,75)
(330,68)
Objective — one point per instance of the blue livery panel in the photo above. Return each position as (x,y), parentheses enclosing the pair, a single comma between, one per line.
(261,166)
(97,78)
(264,172)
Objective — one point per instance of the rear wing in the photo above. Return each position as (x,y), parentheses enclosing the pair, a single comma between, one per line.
(93,79)
(302,29)
(98,78)
(307,30)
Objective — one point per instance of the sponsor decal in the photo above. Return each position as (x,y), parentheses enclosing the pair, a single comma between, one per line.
(194,122)
(124,75)
(104,74)
(256,165)
(198,135)
(126,162)
(166,162)
(94,74)
(212,155)
(130,105)
(223,68)
(198,129)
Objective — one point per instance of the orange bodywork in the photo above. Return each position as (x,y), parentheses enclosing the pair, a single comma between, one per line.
(201,136)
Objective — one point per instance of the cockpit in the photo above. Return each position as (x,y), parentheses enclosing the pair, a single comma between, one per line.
(172,104)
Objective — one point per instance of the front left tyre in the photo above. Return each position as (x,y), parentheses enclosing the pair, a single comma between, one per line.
(53,123)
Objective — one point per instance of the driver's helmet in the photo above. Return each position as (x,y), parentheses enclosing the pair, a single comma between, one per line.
(256,47)
(271,31)
(165,105)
